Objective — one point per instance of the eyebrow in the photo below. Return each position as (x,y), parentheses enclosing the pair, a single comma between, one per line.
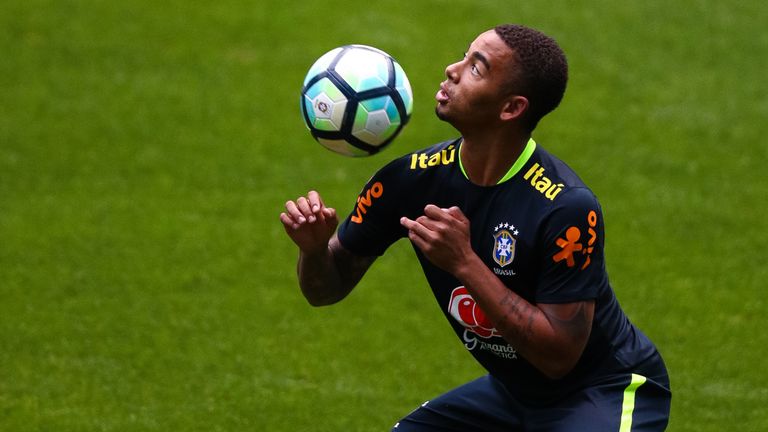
(481,58)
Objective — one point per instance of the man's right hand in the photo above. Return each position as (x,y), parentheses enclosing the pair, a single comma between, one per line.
(309,223)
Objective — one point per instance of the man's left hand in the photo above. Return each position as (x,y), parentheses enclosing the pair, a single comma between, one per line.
(442,235)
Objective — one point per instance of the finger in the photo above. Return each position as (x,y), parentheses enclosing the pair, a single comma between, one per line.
(328,213)
(315,201)
(327,217)
(293,211)
(456,213)
(430,223)
(420,243)
(288,222)
(415,227)
(303,205)
(446,215)
(407,223)
(333,220)
(414,232)
(435,218)
(435,212)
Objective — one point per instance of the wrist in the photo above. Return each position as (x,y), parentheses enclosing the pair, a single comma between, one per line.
(468,268)
(315,253)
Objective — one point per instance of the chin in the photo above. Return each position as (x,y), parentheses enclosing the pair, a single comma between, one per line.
(441,114)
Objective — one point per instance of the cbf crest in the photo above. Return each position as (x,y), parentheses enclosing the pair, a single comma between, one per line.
(504,244)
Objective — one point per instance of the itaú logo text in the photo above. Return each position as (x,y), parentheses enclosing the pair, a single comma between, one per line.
(465,310)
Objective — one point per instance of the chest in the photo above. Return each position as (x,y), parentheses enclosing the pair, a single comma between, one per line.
(504,227)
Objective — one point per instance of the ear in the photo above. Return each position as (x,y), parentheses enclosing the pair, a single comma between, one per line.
(514,108)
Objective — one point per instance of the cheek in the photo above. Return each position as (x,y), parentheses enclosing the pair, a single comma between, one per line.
(469,98)
(477,92)
(482,103)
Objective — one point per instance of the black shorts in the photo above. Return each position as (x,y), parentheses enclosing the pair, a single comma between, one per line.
(620,403)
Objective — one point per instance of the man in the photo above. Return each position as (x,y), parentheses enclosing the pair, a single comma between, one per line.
(511,242)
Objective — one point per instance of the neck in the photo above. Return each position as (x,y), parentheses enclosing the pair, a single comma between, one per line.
(487,159)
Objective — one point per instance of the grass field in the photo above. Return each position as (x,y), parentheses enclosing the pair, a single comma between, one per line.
(147,148)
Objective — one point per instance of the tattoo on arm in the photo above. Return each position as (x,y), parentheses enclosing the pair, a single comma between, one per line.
(576,324)
(550,336)
(328,277)
(351,267)
(519,311)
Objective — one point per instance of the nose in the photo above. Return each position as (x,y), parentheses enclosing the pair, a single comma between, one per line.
(452,71)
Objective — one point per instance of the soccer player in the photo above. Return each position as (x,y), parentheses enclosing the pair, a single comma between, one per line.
(511,242)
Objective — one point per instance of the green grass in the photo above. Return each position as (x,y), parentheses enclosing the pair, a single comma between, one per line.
(147,148)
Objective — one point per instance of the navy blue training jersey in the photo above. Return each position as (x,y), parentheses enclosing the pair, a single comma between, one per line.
(540,230)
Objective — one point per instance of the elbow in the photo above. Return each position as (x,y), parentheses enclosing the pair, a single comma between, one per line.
(324,298)
(318,295)
(321,301)
(558,366)
(557,371)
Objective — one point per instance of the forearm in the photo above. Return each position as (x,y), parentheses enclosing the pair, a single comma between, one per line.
(319,278)
(552,344)
(328,275)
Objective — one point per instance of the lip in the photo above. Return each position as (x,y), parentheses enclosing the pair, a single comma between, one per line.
(442,95)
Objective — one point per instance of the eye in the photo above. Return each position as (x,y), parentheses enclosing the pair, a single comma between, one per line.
(473,69)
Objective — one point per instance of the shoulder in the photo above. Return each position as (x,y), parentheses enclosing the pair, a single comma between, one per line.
(412,165)
(401,184)
(409,177)
(564,199)
(442,153)
(555,181)
(576,203)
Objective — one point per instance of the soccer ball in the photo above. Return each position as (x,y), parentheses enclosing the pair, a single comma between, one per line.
(356,100)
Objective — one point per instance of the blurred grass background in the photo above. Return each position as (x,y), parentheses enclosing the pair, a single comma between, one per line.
(146,149)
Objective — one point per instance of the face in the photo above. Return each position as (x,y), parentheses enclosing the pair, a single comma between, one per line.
(476,89)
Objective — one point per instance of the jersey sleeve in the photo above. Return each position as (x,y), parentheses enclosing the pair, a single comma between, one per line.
(572,267)
(374,222)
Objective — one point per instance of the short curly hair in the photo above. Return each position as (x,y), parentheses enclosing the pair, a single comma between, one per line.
(542,70)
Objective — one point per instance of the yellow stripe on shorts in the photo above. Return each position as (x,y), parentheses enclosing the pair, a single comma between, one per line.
(628,406)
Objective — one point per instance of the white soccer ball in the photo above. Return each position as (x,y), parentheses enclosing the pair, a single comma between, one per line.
(356,100)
